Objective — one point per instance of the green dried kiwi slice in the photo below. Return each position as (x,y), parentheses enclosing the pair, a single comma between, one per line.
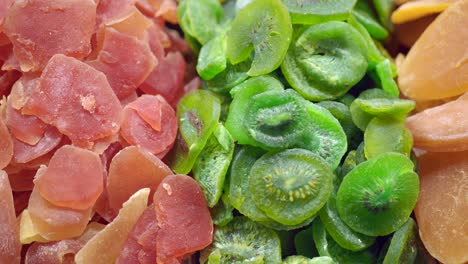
(290,186)
(212,164)
(212,58)
(384,8)
(403,247)
(326,246)
(377,196)
(378,103)
(326,60)
(366,17)
(385,74)
(241,94)
(344,236)
(305,260)
(198,114)
(233,75)
(313,12)
(349,163)
(195,15)
(387,135)
(281,227)
(239,194)
(304,243)
(244,241)
(264,27)
(341,112)
(325,135)
(276,119)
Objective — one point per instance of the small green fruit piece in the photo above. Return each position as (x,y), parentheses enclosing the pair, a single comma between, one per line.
(326,60)
(349,164)
(366,17)
(313,12)
(212,58)
(403,245)
(305,260)
(195,15)
(387,135)
(242,93)
(230,77)
(326,246)
(198,113)
(384,71)
(378,196)
(244,241)
(212,164)
(290,186)
(264,27)
(384,8)
(222,212)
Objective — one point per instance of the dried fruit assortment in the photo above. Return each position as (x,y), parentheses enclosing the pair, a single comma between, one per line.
(293,146)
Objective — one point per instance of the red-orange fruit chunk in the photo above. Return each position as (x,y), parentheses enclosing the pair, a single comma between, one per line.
(4,7)
(77,99)
(442,128)
(39,29)
(26,128)
(108,10)
(140,246)
(6,145)
(442,208)
(167,9)
(73,179)
(55,222)
(125,60)
(184,220)
(141,128)
(437,65)
(132,169)
(10,245)
(167,77)
(24,152)
(59,252)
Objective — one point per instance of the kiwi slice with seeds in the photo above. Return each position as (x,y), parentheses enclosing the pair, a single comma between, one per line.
(264,28)
(243,241)
(290,186)
(378,195)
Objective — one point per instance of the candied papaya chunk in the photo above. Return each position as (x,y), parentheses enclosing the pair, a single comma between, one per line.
(10,246)
(73,179)
(181,212)
(130,170)
(436,66)
(77,99)
(6,145)
(140,246)
(442,128)
(24,152)
(105,247)
(150,122)
(442,211)
(54,222)
(125,60)
(109,10)
(56,252)
(68,26)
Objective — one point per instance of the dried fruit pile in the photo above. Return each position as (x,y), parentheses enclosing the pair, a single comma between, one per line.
(89,89)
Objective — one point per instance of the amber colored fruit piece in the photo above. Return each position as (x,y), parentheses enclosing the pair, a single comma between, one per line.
(28,232)
(437,65)
(53,222)
(132,169)
(442,209)
(10,246)
(6,145)
(419,8)
(73,179)
(442,128)
(105,246)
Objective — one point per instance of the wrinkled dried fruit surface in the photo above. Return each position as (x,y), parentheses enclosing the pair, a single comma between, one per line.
(10,246)
(442,211)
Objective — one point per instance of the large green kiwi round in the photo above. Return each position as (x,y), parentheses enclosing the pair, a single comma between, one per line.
(325,60)
(264,27)
(378,195)
(244,241)
(276,119)
(312,12)
(290,186)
